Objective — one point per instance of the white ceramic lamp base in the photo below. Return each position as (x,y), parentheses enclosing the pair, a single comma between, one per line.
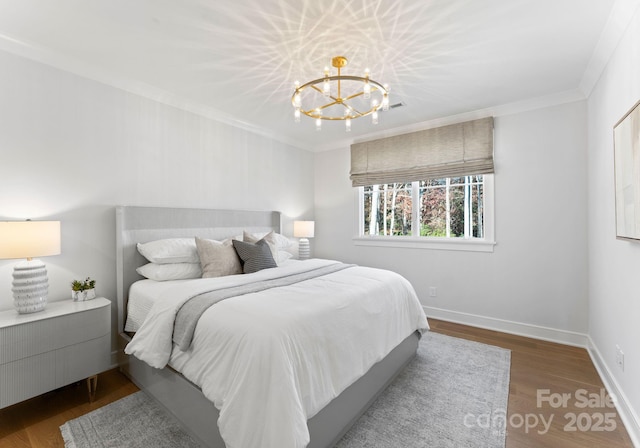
(303,249)
(30,286)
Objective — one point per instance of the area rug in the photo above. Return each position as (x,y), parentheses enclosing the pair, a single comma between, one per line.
(453,394)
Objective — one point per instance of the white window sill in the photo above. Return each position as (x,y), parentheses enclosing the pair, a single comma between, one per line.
(469,245)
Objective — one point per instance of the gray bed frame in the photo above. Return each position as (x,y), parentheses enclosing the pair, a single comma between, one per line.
(183,399)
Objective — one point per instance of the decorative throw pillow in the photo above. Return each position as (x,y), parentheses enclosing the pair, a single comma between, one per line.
(255,256)
(217,258)
(170,250)
(270,238)
(170,271)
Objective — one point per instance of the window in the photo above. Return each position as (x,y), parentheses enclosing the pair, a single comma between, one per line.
(453,210)
(441,212)
(388,209)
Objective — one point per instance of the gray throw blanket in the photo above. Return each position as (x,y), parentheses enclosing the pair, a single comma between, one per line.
(189,314)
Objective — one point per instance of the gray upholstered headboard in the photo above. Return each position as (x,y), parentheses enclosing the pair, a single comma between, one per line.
(143,224)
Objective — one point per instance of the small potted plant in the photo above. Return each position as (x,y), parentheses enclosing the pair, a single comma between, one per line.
(85,290)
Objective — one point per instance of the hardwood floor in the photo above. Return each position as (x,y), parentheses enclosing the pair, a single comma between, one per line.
(35,423)
(535,366)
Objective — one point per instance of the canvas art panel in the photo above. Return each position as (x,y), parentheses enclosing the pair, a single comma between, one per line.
(627,174)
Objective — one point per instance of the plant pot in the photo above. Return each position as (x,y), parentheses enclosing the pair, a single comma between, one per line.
(81,296)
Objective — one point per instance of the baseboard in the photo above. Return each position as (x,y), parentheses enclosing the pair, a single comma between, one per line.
(627,414)
(114,359)
(506,326)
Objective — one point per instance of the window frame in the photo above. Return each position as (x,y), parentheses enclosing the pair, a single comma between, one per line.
(485,244)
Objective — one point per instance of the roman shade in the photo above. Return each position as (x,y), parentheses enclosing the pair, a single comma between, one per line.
(449,151)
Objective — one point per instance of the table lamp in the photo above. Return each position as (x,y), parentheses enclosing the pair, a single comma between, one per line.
(303,230)
(29,239)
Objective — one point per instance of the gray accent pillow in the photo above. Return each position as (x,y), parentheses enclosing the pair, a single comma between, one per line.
(255,256)
(270,238)
(217,258)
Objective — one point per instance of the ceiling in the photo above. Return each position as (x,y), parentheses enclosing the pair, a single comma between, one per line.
(238,60)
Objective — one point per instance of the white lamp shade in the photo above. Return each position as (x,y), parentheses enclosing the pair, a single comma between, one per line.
(303,229)
(29,239)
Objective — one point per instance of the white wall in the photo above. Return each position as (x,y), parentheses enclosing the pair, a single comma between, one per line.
(537,272)
(614,265)
(72,149)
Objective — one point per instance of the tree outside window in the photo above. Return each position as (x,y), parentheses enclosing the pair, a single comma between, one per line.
(445,208)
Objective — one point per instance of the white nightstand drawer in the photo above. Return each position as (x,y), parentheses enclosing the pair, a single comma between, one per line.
(83,360)
(27,378)
(52,330)
(39,352)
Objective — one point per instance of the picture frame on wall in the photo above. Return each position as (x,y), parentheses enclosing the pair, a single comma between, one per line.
(626,136)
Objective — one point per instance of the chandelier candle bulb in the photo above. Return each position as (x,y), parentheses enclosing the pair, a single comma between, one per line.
(374,115)
(385,103)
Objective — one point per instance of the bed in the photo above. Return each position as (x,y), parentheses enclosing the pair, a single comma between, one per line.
(183,397)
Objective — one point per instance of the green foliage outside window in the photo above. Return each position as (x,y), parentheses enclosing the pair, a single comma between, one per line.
(451,208)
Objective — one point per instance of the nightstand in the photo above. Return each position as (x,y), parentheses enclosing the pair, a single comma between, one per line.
(67,342)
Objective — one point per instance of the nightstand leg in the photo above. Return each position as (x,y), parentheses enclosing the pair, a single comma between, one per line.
(92,386)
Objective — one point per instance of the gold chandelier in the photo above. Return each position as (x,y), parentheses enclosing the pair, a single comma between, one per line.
(340,97)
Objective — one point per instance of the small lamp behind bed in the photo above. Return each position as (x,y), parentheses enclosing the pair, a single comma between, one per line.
(303,230)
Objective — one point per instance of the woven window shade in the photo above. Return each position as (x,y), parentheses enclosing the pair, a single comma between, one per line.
(450,151)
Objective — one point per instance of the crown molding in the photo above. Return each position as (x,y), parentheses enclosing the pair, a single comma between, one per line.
(541,102)
(76,67)
(45,56)
(622,14)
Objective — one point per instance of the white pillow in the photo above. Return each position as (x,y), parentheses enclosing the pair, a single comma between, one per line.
(170,271)
(283,256)
(170,250)
(281,241)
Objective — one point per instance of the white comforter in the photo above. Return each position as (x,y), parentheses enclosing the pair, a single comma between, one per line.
(271,360)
